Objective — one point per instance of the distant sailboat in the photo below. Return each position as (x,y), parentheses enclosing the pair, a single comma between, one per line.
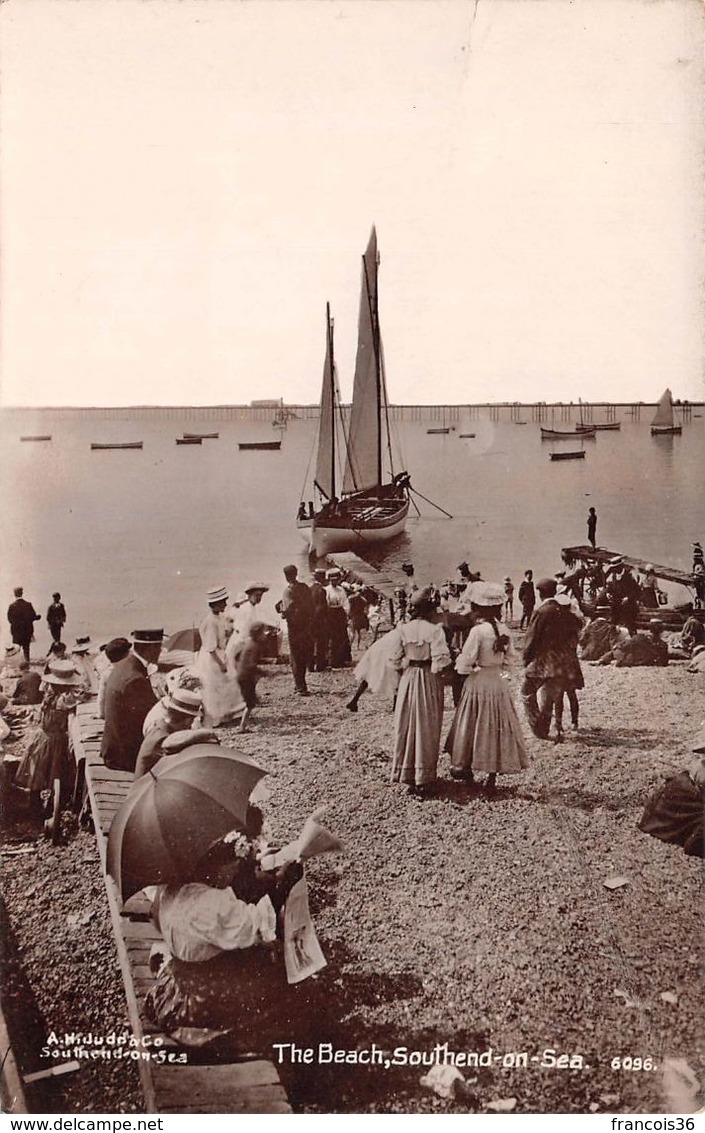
(374,502)
(663,419)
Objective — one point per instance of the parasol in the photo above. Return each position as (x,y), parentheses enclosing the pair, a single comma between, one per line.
(188,640)
(175,813)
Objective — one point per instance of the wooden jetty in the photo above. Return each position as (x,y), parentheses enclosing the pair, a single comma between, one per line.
(237,1087)
(591,555)
(577,454)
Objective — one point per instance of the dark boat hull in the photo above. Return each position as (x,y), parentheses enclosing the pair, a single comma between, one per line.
(127,444)
(201,436)
(568,455)
(666,430)
(438,430)
(35,438)
(188,440)
(267,446)
(610,426)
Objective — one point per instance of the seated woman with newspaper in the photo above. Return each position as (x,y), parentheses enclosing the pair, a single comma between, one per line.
(221,969)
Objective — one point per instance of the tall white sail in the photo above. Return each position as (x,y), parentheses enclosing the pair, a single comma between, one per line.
(325,463)
(664,411)
(362,469)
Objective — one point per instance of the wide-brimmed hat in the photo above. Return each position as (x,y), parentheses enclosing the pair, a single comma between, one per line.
(334,572)
(184,700)
(11,651)
(62,673)
(547,586)
(487,594)
(147,636)
(422,597)
(217,594)
(648,566)
(253,586)
(617,561)
(83,645)
(563,599)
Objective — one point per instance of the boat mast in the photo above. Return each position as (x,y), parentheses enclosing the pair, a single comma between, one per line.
(329,332)
(374,320)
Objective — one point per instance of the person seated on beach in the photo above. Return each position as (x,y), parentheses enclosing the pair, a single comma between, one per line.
(28,687)
(176,679)
(83,664)
(598,637)
(676,812)
(218,966)
(640,649)
(113,651)
(181,710)
(692,634)
(10,672)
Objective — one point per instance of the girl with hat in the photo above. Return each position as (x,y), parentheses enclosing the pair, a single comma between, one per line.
(222,700)
(46,756)
(486,735)
(175,731)
(418,650)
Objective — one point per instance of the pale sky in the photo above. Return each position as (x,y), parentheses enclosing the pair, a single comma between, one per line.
(185,183)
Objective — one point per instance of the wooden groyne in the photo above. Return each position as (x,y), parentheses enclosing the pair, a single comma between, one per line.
(168,1087)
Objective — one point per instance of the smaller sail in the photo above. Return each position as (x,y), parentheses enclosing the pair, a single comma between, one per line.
(664,411)
(325,463)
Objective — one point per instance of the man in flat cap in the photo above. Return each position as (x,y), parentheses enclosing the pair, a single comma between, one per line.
(128,698)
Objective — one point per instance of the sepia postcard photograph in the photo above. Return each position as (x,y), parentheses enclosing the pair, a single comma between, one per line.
(352,687)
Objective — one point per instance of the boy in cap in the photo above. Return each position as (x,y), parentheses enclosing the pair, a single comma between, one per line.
(56,616)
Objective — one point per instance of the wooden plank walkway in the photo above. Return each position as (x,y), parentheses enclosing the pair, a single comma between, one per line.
(243,1087)
(602,555)
(385,582)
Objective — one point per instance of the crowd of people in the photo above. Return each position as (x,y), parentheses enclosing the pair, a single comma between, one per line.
(221,922)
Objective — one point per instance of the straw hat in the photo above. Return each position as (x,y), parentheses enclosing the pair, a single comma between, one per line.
(217,594)
(334,572)
(563,599)
(253,587)
(62,673)
(184,700)
(83,645)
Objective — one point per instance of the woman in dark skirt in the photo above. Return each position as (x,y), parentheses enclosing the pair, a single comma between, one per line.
(339,654)
(46,756)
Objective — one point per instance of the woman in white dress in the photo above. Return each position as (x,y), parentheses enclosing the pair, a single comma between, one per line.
(418,650)
(222,699)
(486,734)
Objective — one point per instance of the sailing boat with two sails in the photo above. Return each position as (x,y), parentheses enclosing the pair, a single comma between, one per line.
(663,420)
(370,503)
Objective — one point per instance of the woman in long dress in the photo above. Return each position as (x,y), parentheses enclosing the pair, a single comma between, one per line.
(486,735)
(222,699)
(46,756)
(419,651)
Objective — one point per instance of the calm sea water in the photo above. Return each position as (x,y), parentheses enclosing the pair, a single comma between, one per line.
(135,538)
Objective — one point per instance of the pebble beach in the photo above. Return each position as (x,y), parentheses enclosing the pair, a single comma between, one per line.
(479,921)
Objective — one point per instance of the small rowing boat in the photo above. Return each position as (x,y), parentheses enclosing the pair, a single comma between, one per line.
(188,440)
(48,438)
(125,444)
(609,426)
(266,446)
(201,436)
(561,435)
(466,436)
(579,454)
(438,430)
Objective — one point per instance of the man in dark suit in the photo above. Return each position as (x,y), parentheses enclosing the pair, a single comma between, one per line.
(296,607)
(128,698)
(21,616)
(320,621)
(551,665)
